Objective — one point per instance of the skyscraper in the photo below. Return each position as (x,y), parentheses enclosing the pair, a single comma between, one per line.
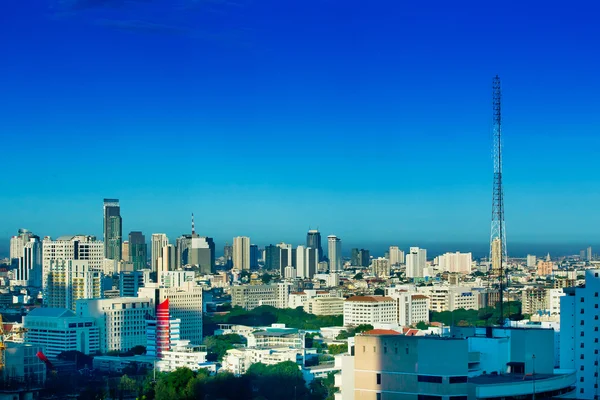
(167,261)
(355,257)
(138,250)
(29,269)
(241,253)
(416,261)
(272,258)
(18,242)
(113,229)
(286,257)
(381,267)
(159,240)
(125,251)
(228,255)
(396,255)
(335,253)
(254,256)
(202,254)
(313,240)
(364,258)
(589,253)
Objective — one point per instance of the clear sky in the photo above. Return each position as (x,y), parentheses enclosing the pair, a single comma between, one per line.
(368,119)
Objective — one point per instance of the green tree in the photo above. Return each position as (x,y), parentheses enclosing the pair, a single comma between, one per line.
(266,278)
(358,276)
(338,348)
(422,326)
(138,350)
(379,292)
(363,328)
(217,346)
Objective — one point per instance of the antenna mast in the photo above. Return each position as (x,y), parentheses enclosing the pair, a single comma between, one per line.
(498,254)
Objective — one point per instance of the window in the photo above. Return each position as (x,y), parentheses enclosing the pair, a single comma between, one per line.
(581,357)
(430,379)
(428,397)
(596,294)
(379,379)
(582,300)
(406,349)
(582,322)
(378,396)
(458,379)
(581,368)
(581,345)
(581,379)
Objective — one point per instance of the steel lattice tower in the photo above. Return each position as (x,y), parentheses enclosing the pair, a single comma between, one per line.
(498,254)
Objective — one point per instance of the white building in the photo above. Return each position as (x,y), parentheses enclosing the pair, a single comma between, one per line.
(168,259)
(369,310)
(579,329)
(158,242)
(70,280)
(29,269)
(531,261)
(121,320)
(381,267)
(412,308)
(334,245)
(185,303)
(237,361)
(184,355)
(450,297)
(325,306)
(252,296)
(289,272)
(396,255)
(299,299)
(241,253)
(456,262)
(176,278)
(416,261)
(58,330)
(307,260)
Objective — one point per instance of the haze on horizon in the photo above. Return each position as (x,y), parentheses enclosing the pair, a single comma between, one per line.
(371,122)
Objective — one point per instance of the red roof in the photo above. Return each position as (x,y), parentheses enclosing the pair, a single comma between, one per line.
(409,331)
(418,296)
(381,332)
(436,324)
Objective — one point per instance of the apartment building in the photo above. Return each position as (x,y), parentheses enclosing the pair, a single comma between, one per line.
(325,306)
(369,310)
(412,308)
(67,281)
(450,298)
(251,296)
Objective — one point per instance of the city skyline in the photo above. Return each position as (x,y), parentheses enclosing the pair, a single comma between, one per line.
(420,121)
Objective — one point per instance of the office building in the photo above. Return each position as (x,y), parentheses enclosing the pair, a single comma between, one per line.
(545,268)
(412,308)
(272,258)
(162,331)
(416,261)
(335,253)
(138,250)
(325,306)
(354,257)
(78,248)
(456,262)
(131,281)
(113,229)
(70,280)
(29,265)
(369,310)
(451,297)
(58,330)
(381,267)
(17,243)
(158,242)
(579,334)
(254,256)
(364,258)
(185,303)
(170,279)
(121,321)
(396,256)
(168,259)
(589,254)
(125,251)
(313,240)
(241,253)
(286,257)
(251,296)
(228,255)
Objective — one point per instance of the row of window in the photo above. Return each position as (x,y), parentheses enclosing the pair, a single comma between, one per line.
(434,379)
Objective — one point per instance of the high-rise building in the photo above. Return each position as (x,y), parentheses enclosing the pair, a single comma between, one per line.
(113,229)
(185,303)
(272,258)
(168,260)
(307,260)
(531,261)
(580,334)
(159,240)
(29,266)
(287,258)
(364,258)
(130,282)
(396,255)
(254,256)
(313,240)
(70,280)
(416,261)
(77,248)
(201,254)
(125,251)
(138,250)
(335,253)
(354,257)
(381,267)
(241,253)
(18,241)
(589,253)
(228,255)
(456,262)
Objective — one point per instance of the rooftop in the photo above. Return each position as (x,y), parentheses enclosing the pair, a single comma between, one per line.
(50,312)
(370,299)
(382,332)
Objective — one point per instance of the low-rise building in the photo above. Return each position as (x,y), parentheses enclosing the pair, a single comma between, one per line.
(251,296)
(237,361)
(58,330)
(325,306)
(369,310)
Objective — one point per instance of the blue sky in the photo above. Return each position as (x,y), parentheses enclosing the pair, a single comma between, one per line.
(370,120)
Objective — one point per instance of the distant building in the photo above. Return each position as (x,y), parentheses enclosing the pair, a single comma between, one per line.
(450,298)
(396,256)
(416,261)
(29,266)
(241,253)
(531,261)
(138,250)
(130,282)
(354,257)
(254,256)
(313,240)
(589,254)
(272,258)
(545,268)
(228,255)
(364,258)
(69,332)
(70,280)
(412,308)
(158,242)
(381,267)
(125,251)
(170,279)
(287,257)
(168,259)
(306,262)
(456,262)
(113,229)
(335,253)
(251,296)
(22,364)
(325,306)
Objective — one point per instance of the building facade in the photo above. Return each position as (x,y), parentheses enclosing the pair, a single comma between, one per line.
(138,250)
(241,253)
(158,242)
(70,280)
(113,229)
(369,310)
(334,245)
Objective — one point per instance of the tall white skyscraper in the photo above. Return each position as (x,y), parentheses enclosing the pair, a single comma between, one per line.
(29,268)
(416,261)
(334,244)
(456,262)
(18,241)
(79,247)
(300,261)
(159,240)
(168,259)
(396,255)
(307,260)
(241,253)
